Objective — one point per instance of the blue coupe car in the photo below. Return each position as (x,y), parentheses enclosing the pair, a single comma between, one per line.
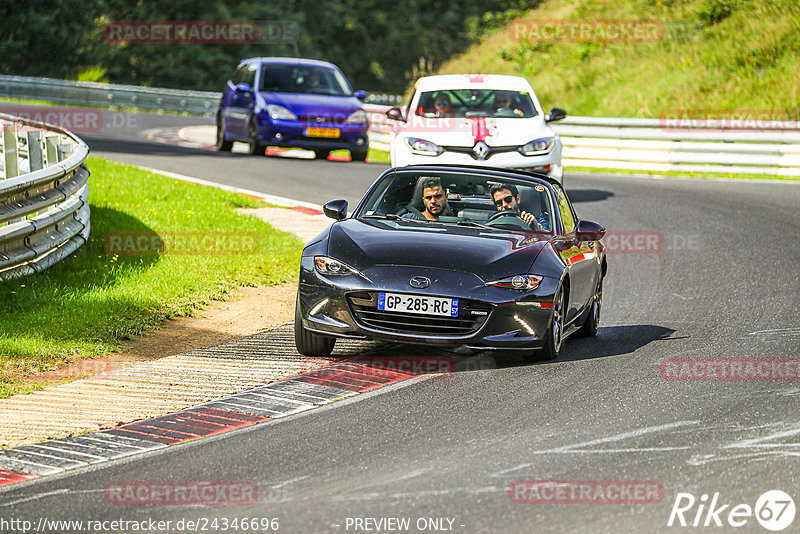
(290,102)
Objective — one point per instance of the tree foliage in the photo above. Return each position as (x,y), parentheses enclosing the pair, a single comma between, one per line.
(380,45)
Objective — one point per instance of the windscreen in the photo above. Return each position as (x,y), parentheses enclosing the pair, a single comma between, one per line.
(476,103)
(303,79)
(467,198)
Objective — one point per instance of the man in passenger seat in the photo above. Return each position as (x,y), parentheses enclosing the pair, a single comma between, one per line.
(506,198)
(435,199)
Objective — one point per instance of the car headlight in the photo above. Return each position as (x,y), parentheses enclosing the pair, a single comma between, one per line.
(423,147)
(538,146)
(523,282)
(326,265)
(359,117)
(279,112)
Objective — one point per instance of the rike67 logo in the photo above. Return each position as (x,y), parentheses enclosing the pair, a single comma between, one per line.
(774,510)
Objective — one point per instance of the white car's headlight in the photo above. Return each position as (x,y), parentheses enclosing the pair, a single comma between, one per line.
(279,112)
(538,146)
(359,117)
(326,265)
(524,282)
(423,147)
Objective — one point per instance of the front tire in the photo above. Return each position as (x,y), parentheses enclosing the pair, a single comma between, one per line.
(223,145)
(254,146)
(358,155)
(307,343)
(555,334)
(589,327)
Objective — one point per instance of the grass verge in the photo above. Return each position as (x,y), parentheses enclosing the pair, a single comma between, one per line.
(708,56)
(85,305)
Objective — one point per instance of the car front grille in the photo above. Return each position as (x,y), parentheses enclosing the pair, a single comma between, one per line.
(364,308)
(312,120)
(491,152)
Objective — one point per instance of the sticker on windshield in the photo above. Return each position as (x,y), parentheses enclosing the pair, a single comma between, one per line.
(539,188)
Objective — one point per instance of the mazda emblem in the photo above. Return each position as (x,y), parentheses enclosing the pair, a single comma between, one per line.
(420,282)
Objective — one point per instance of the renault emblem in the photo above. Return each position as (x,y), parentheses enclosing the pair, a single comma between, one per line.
(420,282)
(480,149)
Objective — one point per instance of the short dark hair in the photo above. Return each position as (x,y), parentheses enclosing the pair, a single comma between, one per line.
(499,187)
(430,181)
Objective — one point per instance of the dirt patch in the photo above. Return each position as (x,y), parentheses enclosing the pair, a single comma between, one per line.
(251,310)
(254,309)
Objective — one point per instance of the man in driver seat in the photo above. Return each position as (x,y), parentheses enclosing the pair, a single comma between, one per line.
(506,198)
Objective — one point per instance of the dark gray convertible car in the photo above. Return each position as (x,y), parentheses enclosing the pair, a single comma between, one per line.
(458,256)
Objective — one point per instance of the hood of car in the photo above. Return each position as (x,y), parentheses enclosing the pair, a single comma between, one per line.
(311,105)
(465,132)
(490,255)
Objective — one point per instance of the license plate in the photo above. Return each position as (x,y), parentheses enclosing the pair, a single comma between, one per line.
(419,304)
(313,131)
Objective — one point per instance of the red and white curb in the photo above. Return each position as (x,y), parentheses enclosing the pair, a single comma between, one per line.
(276,400)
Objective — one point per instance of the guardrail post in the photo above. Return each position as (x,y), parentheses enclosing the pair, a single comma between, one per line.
(11,164)
(53,151)
(35,155)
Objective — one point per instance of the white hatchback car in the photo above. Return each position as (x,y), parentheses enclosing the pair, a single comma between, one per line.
(475,119)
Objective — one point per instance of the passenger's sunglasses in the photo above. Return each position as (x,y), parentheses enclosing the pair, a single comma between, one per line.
(508,200)
(442,102)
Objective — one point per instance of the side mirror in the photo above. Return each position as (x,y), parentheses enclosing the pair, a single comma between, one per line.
(395,114)
(556,114)
(361,95)
(336,209)
(243,88)
(589,231)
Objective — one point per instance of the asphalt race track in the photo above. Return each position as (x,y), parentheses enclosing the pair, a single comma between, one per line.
(721,279)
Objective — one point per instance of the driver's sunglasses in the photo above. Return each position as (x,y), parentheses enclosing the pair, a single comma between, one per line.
(442,102)
(508,200)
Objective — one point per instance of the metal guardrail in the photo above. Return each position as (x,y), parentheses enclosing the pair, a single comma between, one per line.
(128,96)
(741,147)
(44,208)
(660,144)
(107,94)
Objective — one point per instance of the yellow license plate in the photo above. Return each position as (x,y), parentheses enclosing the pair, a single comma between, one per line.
(322,132)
